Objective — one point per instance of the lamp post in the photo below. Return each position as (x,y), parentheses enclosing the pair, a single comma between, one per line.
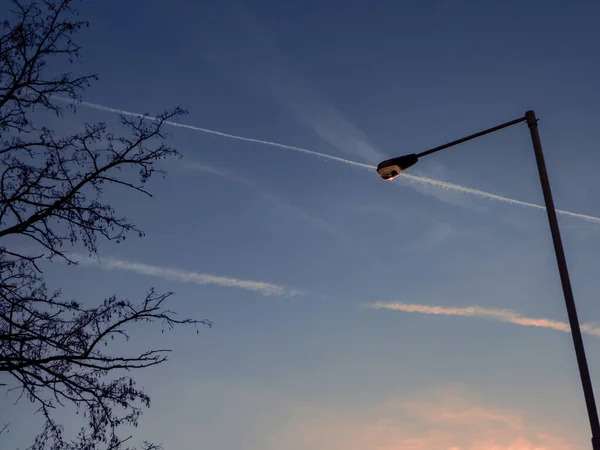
(392,168)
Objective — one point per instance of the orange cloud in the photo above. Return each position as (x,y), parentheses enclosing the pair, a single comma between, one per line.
(499,315)
(440,421)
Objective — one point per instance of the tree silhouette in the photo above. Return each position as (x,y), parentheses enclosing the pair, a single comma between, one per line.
(51,194)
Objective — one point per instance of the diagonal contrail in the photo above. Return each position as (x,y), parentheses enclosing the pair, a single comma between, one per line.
(498,315)
(410,178)
(184,276)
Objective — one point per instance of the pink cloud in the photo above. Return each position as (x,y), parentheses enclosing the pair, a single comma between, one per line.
(438,421)
(498,315)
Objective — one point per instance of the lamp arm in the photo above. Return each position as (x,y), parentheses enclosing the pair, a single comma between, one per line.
(472,136)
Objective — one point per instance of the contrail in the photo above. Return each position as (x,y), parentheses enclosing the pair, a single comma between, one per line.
(184,276)
(216,133)
(498,315)
(414,178)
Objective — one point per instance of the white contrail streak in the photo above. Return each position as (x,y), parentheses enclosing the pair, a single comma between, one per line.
(216,133)
(490,196)
(499,315)
(183,276)
(423,180)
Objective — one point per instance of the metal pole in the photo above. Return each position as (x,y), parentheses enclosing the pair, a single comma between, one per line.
(584,372)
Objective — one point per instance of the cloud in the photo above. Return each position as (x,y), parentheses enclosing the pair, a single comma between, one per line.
(237,178)
(437,233)
(498,315)
(409,179)
(350,242)
(268,418)
(183,276)
(441,420)
(247,52)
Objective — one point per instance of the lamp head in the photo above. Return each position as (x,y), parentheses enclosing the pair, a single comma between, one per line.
(391,168)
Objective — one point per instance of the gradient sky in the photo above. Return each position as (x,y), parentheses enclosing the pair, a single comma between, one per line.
(301,362)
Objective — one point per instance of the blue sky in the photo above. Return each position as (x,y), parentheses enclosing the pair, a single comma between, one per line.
(298,361)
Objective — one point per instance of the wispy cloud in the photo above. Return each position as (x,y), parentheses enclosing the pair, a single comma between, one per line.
(246,51)
(183,276)
(290,209)
(349,241)
(237,178)
(409,179)
(443,419)
(498,315)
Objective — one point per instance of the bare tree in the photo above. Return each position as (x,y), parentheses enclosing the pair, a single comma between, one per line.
(54,350)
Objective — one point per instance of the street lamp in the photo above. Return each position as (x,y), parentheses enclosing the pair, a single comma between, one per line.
(391,168)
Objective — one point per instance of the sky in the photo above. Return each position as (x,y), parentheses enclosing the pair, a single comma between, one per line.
(351,313)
